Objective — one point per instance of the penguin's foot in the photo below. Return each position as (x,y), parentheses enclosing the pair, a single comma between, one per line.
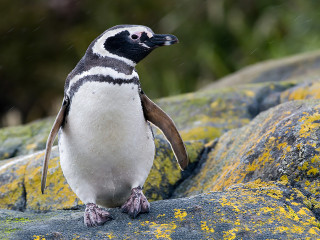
(95,216)
(137,203)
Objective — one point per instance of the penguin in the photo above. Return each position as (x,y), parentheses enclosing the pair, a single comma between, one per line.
(105,140)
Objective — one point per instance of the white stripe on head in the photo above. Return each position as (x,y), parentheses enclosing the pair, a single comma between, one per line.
(104,71)
(100,50)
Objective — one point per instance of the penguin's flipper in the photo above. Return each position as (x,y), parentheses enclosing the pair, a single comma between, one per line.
(160,119)
(53,133)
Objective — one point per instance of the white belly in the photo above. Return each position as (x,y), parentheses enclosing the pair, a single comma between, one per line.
(106,146)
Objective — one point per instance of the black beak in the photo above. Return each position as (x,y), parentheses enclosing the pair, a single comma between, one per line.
(158,40)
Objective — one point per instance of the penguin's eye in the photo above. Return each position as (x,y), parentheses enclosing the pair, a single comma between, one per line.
(134,36)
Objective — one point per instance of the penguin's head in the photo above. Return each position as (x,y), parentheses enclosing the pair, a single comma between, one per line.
(129,43)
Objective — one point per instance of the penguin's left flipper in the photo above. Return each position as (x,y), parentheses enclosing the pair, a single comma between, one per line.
(154,114)
(53,133)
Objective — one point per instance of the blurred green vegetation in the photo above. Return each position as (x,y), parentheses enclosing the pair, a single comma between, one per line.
(41,41)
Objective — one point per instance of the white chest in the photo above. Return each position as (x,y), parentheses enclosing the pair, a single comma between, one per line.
(106,146)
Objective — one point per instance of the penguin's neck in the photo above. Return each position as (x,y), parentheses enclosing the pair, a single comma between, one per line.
(117,65)
(91,61)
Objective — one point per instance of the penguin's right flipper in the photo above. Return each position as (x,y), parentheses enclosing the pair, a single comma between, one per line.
(53,133)
(154,114)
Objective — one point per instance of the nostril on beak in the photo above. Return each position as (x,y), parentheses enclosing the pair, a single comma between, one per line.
(163,40)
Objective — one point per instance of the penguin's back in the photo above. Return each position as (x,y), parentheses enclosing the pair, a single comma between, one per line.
(106,145)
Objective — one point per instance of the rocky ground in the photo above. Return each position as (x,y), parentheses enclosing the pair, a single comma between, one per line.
(253,140)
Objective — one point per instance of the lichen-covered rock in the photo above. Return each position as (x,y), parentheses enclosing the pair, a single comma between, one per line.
(20,184)
(210,113)
(20,179)
(165,173)
(22,140)
(58,194)
(295,69)
(253,141)
(281,144)
(250,211)
(305,90)
(12,190)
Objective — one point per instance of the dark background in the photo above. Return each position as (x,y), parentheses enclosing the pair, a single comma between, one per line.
(42,40)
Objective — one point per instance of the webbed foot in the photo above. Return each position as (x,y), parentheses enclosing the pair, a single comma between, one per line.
(95,216)
(137,203)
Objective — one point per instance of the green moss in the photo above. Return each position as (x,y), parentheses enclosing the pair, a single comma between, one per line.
(11,230)
(165,172)
(15,220)
(194,148)
(24,139)
(207,133)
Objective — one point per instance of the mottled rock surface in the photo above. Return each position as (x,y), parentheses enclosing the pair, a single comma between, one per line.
(295,69)
(20,180)
(281,144)
(250,211)
(22,140)
(253,139)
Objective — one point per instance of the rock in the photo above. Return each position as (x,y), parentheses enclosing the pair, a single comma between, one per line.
(295,69)
(20,189)
(251,211)
(20,180)
(22,140)
(12,189)
(305,90)
(165,173)
(253,137)
(281,144)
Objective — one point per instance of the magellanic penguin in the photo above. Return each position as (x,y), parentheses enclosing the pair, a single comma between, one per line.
(106,144)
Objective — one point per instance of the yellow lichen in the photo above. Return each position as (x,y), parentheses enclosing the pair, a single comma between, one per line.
(304,92)
(58,194)
(204,132)
(230,234)
(274,193)
(304,166)
(314,231)
(295,203)
(302,211)
(205,228)
(292,214)
(298,94)
(309,124)
(165,170)
(315,159)
(12,190)
(282,145)
(250,93)
(160,231)
(38,237)
(266,209)
(31,146)
(110,235)
(252,167)
(282,229)
(180,214)
(313,171)
(284,179)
